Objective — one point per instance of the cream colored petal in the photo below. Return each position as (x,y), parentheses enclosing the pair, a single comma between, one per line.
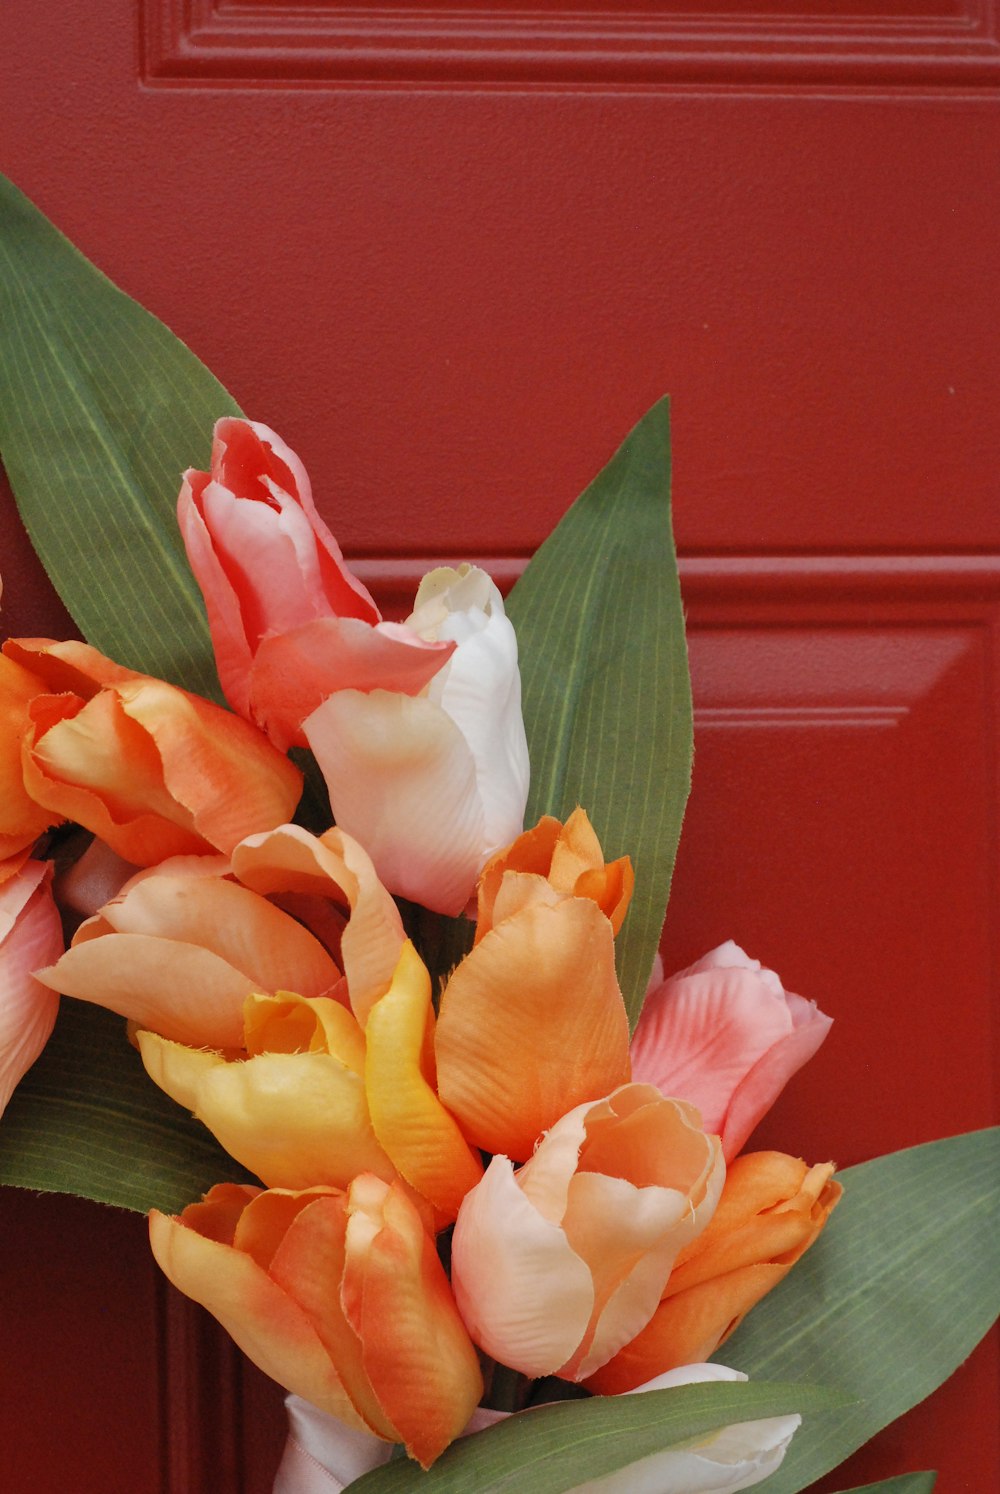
(526,1297)
(403,782)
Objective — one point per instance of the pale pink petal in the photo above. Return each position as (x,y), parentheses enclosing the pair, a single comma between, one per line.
(252,460)
(757,1092)
(30,935)
(294,671)
(233,655)
(699,1034)
(729,956)
(402,781)
(526,1297)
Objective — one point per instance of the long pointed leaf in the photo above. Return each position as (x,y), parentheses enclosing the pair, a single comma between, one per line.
(906,1483)
(891,1299)
(555,1448)
(607,697)
(101,409)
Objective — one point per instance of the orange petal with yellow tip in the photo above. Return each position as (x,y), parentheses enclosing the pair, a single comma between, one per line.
(421,1137)
(417,1353)
(332,866)
(266,1323)
(532,1023)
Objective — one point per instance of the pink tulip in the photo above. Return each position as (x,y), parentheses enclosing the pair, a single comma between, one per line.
(290,624)
(30,935)
(725,1036)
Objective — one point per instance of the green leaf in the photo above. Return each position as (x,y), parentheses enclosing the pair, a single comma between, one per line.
(607,698)
(86,1119)
(894,1295)
(906,1483)
(554,1448)
(101,409)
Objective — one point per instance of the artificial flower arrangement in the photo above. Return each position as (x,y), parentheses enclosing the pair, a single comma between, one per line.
(472,1170)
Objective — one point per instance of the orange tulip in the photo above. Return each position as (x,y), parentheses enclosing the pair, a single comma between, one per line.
(532,1021)
(151,769)
(558,1265)
(566,857)
(340,1297)
(772,1209)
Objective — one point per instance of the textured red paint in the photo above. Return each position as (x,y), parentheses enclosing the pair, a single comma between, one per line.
(453,301)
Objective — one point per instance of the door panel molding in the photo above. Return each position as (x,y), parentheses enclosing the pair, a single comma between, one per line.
(654,44)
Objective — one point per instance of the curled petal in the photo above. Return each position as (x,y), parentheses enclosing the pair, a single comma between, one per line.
(332,865)
(294,672)
(268,1325)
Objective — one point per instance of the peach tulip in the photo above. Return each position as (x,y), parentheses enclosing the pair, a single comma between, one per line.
(180,949)
(725,1035)
(532,1022)
(22,820)
(433,784)
(340,1297)
(772,1209)
(289,622)
(151,769)
(557,1266)
(30,935)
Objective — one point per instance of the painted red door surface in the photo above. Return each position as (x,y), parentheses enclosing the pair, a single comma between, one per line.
(451,254)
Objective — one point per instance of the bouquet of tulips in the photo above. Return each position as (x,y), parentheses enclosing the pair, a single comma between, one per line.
(383,931)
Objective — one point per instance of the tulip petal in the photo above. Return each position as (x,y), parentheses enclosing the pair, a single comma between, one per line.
(22,819)
(293,672)
(524,1293)
(178,990)
(88,762)
(309,1264)
(480,690)
(332,865)
(532,1023)
(269,948)
(698,1036)
(724,1462)
(421,1137)
(758,1090)
(296,1120)
(425,1372)
(262,1319)
(402,781)
(220,769)
(30,935)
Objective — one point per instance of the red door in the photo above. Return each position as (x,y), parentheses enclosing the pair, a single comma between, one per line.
(451,255)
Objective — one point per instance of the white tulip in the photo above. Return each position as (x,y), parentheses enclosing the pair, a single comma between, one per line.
(433,784)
